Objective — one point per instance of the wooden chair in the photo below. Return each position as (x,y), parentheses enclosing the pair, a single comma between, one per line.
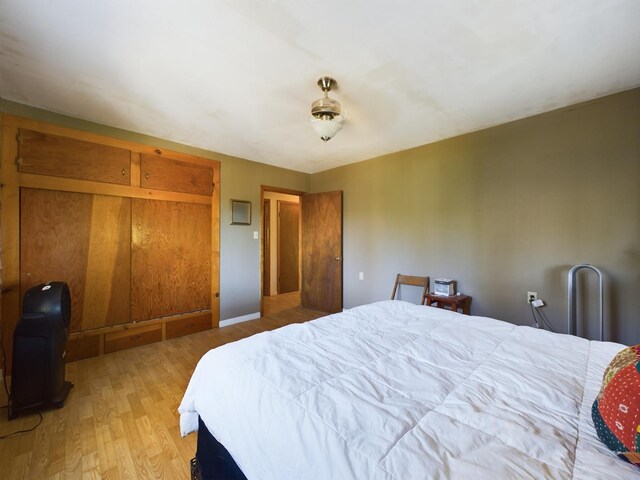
(414,281)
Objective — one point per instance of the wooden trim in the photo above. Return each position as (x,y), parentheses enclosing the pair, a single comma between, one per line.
(266,188)
(135,169)
(262,253)
(215,247)
(265,250)
(10,235)
(44,182)
(300,248)
(278,247)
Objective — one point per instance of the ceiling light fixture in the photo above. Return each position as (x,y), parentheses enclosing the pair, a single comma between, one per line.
(326,115)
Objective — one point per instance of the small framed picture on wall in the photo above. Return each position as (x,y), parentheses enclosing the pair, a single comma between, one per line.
(240,212)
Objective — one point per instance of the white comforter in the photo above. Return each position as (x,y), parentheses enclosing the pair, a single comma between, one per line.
(393,390)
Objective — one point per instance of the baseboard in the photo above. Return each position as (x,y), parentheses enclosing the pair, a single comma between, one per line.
(240,319)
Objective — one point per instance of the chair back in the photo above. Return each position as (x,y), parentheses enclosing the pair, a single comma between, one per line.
(413,281)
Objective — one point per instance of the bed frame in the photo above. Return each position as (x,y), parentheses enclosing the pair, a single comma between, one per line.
(212,460)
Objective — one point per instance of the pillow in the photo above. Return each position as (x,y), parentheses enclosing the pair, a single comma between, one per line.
(616,410)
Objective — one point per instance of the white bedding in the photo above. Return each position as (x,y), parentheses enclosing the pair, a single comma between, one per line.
(393,390)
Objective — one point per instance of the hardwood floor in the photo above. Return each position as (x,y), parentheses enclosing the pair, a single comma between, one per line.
(121,419)
(277,303)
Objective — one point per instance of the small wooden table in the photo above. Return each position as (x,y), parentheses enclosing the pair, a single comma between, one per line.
(455,302)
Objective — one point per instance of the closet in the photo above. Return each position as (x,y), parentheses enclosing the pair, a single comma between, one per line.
(133,230)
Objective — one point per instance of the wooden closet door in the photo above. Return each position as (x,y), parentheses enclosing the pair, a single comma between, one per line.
(175,175)
(83,240)
(171,258)
(47,154)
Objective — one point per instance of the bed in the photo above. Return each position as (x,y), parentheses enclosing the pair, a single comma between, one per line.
(393,390)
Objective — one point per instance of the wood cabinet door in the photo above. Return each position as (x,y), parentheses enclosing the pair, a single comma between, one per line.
(83,240)
(57,156)
(288,247)
(174,175)
(322,251)
(171,258)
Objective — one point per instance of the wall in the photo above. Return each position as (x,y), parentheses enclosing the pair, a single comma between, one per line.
(273,227)
(504,211)
(241,180)
(239,252)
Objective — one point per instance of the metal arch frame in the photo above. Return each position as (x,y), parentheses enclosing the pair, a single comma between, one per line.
(572,320)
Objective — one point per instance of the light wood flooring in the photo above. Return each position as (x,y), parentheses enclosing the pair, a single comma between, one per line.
(277,303)
(120,420)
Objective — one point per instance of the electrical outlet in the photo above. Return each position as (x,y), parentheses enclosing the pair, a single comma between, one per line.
(532,296)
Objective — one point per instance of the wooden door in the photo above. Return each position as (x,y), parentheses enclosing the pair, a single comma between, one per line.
(322,251)
(175,175)
(266,247)
(83,240)
(288,247)
(47,154)
(170,258)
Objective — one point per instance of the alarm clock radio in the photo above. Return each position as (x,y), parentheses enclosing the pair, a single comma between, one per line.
(444,286)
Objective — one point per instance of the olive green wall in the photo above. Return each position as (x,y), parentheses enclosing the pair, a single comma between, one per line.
(240,179)
(504,211)
(239,252)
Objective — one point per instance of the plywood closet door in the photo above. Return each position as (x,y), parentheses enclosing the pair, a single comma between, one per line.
(81,239)
(171,258)
(47,154)
(175,175)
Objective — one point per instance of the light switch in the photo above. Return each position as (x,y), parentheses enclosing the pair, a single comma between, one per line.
(255,235)
(361,276)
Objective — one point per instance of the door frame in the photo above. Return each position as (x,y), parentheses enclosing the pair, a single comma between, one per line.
(265,270)
(263,189)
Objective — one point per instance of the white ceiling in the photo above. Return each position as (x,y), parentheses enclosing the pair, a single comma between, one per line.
(238,77)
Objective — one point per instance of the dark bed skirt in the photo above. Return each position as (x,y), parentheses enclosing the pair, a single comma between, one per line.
(212,460)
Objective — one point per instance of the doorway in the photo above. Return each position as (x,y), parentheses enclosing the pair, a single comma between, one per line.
(318,240)
(280,259)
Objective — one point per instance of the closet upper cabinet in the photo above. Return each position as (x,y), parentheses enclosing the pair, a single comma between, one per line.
(46,154)
(174,175)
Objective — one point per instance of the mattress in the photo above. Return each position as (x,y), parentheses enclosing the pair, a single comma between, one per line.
(393,390)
